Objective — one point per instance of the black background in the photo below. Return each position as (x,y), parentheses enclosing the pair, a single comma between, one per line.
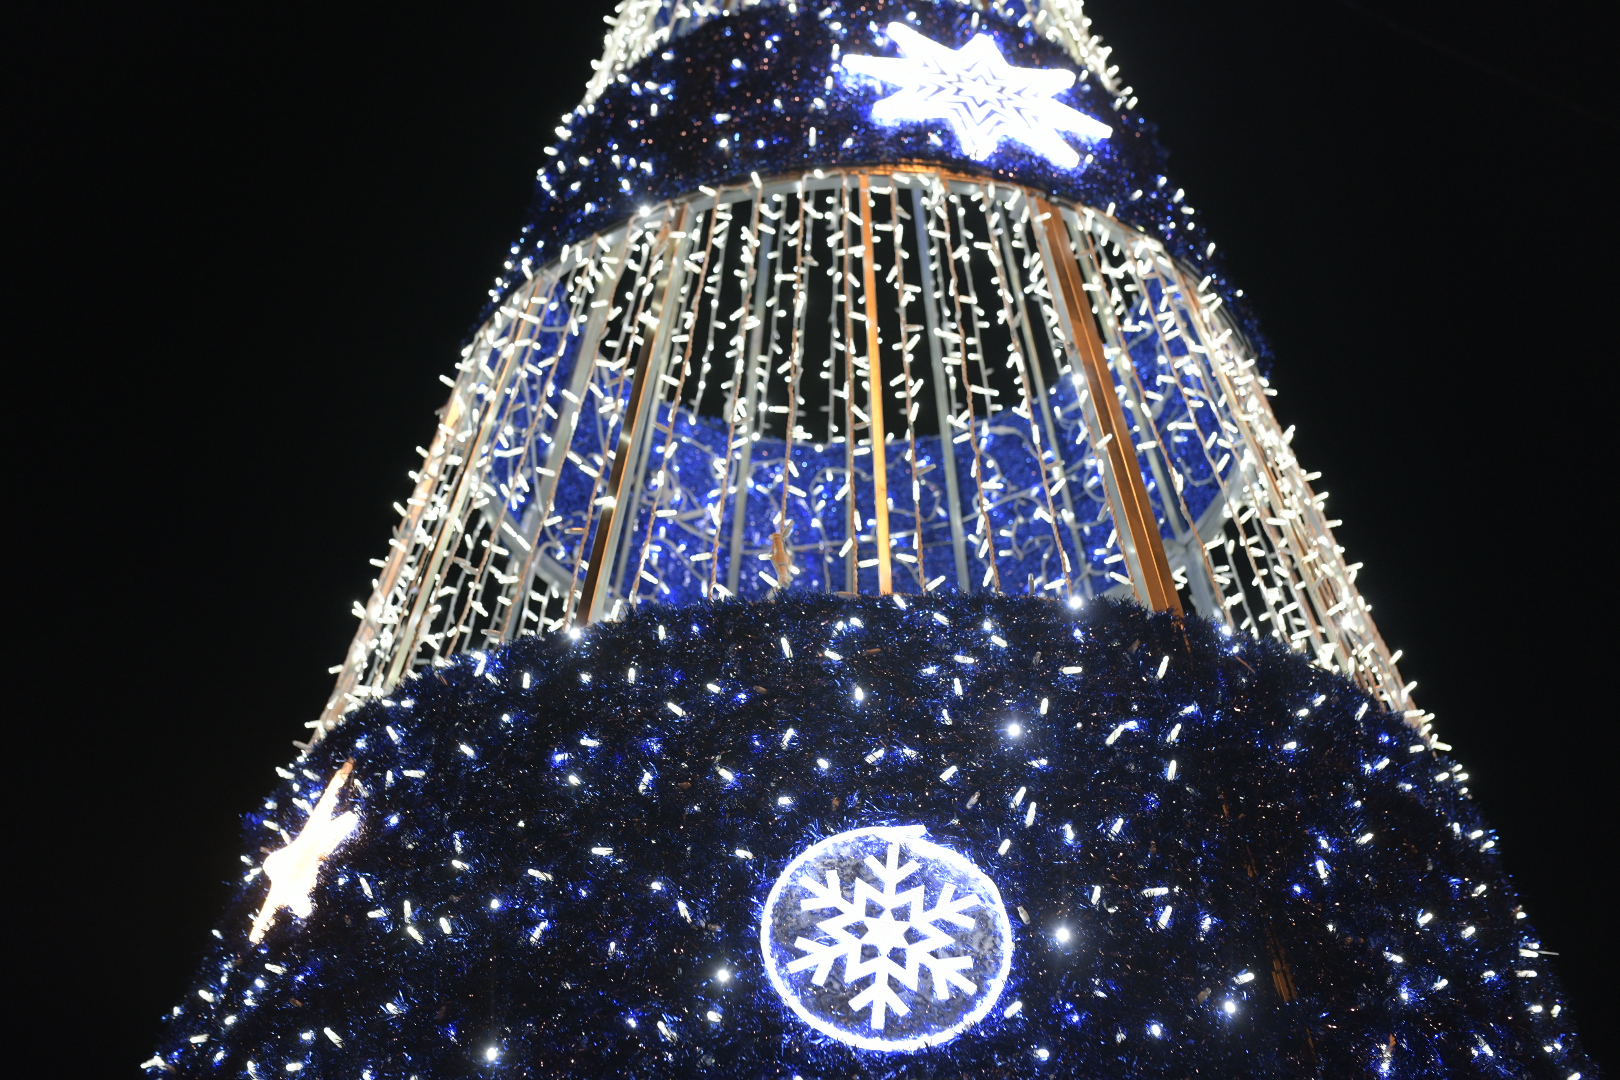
(243,242)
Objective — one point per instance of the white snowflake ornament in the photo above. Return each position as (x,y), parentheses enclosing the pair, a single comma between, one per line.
(885,940)
(983,98)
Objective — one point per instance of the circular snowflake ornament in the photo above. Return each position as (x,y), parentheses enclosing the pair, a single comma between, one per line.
(885,940)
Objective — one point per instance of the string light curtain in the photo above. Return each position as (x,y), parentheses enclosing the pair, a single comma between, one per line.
(719,438)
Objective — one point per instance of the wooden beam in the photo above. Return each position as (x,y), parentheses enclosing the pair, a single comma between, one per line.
(1127,494)
(874,396)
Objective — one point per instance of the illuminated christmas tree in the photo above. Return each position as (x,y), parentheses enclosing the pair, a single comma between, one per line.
(858,614)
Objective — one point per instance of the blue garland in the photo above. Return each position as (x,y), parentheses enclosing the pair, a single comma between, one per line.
(567,839)
(739,94)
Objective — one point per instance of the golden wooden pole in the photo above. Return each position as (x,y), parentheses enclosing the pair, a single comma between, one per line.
(1133,512)
(852,565)
(874,396)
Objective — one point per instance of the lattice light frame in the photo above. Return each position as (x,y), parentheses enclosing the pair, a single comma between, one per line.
(1060,409)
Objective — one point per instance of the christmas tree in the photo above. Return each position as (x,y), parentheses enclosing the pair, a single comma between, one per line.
(858,613)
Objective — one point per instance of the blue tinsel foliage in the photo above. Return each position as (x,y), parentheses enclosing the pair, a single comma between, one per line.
(1310,892)
(740,94)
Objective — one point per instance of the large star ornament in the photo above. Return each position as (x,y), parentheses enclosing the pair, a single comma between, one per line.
(292,869)
(984,98)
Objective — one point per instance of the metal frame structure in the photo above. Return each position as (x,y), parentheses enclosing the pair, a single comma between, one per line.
(894,379)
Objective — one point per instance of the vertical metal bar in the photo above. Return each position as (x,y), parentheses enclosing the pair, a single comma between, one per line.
(675,400)
(874,393)
(597,575)
(669,313)
(1006,286)
(534,519)
(897,235)
(1278,552)
(745,464)
(619,381)
(1200,577)
(975,314)
(1385,679)
(1093,245)
(796,345)
(1058,464)
(450,531)
(829,366)
(432,466)
(1133,513)
(985,523)
(477,578)
(942,405)
(562,435)
(738,373)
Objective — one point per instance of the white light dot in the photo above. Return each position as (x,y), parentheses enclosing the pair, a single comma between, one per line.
(1230,1006)
(1063,933)
(723,975)
(491,1054)
(1014,730)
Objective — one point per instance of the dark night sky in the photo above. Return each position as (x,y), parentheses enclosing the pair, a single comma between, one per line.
(251,237)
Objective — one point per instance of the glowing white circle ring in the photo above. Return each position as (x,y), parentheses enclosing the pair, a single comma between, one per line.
(847,906)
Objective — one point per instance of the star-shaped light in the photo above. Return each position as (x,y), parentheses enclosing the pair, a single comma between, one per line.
(292,869)
(984,98)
